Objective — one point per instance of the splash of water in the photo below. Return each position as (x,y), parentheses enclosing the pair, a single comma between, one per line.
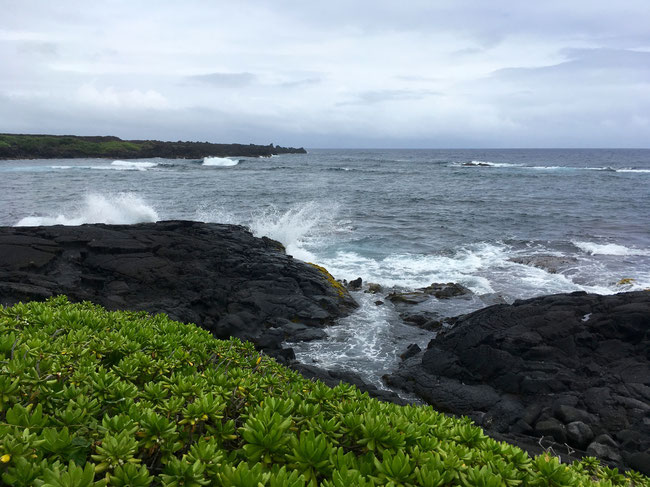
(219,161)
(121,208)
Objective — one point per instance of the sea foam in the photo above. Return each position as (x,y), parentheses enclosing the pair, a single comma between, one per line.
(298,228)
(609,249)
(122,208)
(219,161)
(133,165)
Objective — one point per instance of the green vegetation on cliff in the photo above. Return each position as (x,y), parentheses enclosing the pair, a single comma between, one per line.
(90,397)
(70,146)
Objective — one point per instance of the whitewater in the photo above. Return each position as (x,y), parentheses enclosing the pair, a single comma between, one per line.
(400,218)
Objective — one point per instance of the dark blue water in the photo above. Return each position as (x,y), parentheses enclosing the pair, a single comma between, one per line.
(402,218)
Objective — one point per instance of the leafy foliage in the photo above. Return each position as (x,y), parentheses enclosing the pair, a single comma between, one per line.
(93,398)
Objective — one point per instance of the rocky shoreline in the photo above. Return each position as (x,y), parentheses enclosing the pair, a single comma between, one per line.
(217,276)
(569,372)
(20,146)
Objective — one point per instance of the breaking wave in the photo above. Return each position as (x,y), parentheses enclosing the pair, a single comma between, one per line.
(219,161)
(609,249)
(122,208)
(133,166)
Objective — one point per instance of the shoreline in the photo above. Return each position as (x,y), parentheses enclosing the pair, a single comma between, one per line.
(26,147)
(233,284)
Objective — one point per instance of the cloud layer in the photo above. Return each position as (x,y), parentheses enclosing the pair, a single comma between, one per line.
(451,73)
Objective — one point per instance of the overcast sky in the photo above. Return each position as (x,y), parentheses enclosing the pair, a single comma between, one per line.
(410,73)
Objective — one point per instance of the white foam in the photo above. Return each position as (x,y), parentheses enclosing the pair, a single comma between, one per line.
(546,168)
(367,342)
(219,161)
(414,271)
(601,169)
(633,170)
(298,228)
(609,249)
(122,208)
(133,165)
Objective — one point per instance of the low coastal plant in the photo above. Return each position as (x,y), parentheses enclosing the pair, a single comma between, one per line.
(96,398)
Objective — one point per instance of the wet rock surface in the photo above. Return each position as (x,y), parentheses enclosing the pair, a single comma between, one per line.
(568,371)
(550,263)
(409,305)
(217,276)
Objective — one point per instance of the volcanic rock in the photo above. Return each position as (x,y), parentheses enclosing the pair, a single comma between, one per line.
(355,285)
(570,366)
(218,276)
(438,290)
(550,263)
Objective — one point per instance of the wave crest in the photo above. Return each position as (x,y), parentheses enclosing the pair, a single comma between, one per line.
(133,165)
(609,249)
(219,161)
(122,208)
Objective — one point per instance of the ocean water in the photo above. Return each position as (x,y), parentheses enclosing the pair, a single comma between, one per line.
(400,218)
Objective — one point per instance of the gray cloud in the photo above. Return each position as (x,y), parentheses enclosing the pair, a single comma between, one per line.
(225,79)
(337,73)
(300,83)
(41,48)
(381,96)
(605,64)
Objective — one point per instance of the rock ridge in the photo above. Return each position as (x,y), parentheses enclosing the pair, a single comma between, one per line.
(218,276)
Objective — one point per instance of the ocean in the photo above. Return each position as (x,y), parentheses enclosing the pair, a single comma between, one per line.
(401,218)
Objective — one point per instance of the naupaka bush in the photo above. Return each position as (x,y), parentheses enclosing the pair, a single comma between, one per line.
(91,398)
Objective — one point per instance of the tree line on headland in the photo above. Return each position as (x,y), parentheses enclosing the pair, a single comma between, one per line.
(19,146)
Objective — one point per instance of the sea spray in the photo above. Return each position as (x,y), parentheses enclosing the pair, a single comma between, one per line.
(121,208)
(299,228)
(219,161)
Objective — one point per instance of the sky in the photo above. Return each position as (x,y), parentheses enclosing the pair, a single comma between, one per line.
(337,74)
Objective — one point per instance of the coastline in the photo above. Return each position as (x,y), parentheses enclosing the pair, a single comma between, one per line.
(259,293)
(25,146)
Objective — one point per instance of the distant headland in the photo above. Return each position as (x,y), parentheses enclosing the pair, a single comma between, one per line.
(21,146)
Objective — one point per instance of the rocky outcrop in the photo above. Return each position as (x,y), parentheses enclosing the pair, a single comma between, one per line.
(406,304)
(217,276)
(573,369)
(550,263)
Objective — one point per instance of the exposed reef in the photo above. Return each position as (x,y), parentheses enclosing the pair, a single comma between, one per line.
(569,370)
(18,146)
(220,277)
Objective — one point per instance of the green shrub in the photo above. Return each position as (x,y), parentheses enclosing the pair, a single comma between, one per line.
(91,398)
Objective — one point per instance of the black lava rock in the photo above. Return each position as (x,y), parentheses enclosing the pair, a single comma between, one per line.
(574,366)
(218,276)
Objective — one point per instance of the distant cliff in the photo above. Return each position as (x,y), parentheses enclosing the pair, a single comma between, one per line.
(15,146)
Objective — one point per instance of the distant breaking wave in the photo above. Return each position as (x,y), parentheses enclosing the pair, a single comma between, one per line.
(115,166)
(134,166)
(119,209)
(219,161)
(548,168)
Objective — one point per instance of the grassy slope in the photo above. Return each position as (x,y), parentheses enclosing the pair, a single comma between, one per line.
(89,397)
